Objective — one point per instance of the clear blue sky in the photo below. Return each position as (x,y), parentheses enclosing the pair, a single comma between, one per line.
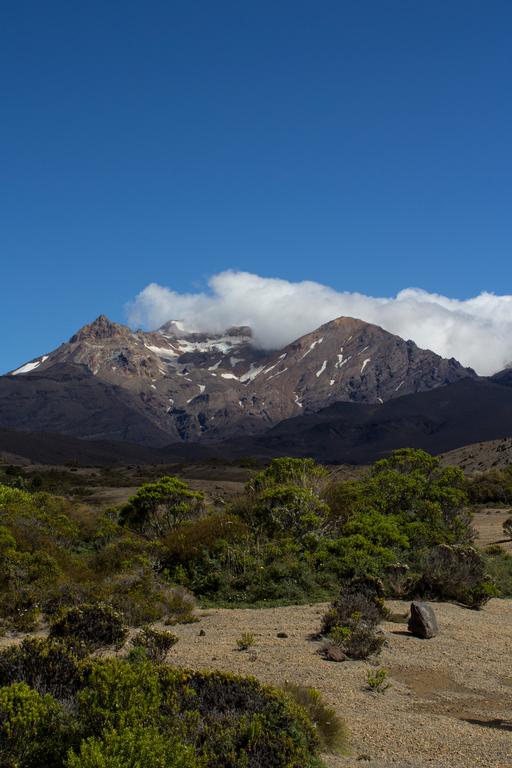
(367,145)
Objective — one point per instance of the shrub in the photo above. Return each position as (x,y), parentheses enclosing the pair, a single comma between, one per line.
(96,625)
(137,655)
(507,527)
(155,642)
(288,509)
(48,666)
(180,604)
(206,534)
(430,501)
(305,473)
(133,748)
(331,729)
(238,722)
(457,573)
(144,596)
(356,639)
(25,578)
(499,565)
(159,507)
(363,596)
(377,680)
(141,714)
(117,695)
(246,641)
(33,730)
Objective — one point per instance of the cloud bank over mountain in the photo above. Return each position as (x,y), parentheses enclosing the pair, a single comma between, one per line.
(476,331)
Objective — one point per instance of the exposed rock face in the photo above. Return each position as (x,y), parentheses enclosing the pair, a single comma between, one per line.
(189,386)
(423,622)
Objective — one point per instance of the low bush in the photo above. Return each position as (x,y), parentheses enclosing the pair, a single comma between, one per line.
(377,680)
(246,641)
(156,643)
(456,573)
(133,748)
(361,596)
(351,622)
(499,565)
(48,666)
(34,732)
(124,715)
(96,625)
(332,730)
(356,639)
(246,724)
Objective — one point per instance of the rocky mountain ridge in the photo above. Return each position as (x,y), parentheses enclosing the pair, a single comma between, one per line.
(110,382)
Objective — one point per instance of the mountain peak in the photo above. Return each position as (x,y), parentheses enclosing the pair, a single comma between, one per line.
(101,328)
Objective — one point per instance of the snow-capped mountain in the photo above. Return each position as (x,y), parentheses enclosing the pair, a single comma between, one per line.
(173,384)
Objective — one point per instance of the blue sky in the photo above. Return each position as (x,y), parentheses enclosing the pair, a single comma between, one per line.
(366,146)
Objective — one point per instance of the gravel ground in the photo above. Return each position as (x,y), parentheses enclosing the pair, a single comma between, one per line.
(488,524)
(450,704)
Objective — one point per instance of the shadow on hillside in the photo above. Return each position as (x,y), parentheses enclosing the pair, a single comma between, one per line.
(500,725)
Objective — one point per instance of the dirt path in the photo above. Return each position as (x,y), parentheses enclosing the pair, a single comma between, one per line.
(451,701)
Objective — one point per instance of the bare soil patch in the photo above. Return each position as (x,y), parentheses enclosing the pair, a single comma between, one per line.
(488,524)
(450,704)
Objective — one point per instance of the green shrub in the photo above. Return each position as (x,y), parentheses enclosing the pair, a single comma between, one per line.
(491,487)
(118,695)
(377,680)
(305,473)
(144,596)
(48,666)
(125,714)
(206,534)
(288,509)
(331,729)
(158,508)
(33,730)
(137,655)
(96,625)
(155,642)
(499,566)
(246,641)
(240,723)
(356,639)
(133,748)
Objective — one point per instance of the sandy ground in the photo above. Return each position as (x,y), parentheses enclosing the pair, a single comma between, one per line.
(488,524)
(450,704)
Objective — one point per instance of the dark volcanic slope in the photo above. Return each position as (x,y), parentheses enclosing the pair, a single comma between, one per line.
(440,420)
(70,400)
(466,412)
(503,377)
(46,448)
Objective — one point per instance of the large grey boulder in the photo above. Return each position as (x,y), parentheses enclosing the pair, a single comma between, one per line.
(423,622)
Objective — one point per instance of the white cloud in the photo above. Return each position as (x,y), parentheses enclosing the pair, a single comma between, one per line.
(476,331)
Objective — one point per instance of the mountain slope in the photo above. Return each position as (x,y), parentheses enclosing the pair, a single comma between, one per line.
(109,382)
(437,421)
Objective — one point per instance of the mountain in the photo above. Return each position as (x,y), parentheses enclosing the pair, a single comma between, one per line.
(440,420)
(503,377)
(111,383)
(471,418)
